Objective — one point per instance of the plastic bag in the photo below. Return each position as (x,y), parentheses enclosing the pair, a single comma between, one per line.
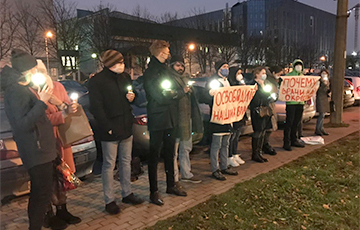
(313,140)
(66,177)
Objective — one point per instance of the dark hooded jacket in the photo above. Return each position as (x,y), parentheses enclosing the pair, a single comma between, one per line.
(32,130)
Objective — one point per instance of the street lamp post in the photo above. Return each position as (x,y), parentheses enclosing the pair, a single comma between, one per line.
(191,47)
(47,36)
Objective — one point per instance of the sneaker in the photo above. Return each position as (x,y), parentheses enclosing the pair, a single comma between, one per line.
(239,160)
(132,199)
(229,172)
(194,180)
(112,208)
(232,162)
(218,175)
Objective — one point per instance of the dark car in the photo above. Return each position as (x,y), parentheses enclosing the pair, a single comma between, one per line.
(15,180)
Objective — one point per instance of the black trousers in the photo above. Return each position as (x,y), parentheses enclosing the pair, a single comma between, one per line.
(41,178)
(293,119)
(161,140)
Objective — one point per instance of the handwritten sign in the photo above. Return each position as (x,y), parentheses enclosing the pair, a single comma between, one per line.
(230,103)
(298,88)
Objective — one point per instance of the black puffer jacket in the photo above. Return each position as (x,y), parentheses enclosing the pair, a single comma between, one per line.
(32,130)
(109,105)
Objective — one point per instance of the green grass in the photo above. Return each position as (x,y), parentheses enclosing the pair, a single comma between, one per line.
(318,191)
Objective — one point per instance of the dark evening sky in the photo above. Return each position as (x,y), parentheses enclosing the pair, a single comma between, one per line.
(184,8)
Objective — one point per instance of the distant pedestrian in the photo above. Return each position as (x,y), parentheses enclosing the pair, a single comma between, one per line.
(32,131)
(110,98)
(322,102)
(163,94)
(220,133)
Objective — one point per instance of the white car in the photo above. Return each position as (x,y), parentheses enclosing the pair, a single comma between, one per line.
(355,80)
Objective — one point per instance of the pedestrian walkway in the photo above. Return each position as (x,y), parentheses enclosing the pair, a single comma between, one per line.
(87,201)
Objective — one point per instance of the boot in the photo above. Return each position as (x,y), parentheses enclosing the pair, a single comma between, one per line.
(53,222)
(267,149)
(260,145)
(63,214)
(256,147)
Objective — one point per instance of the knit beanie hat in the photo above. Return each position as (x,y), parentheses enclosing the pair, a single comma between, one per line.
(110,57)
(177,58)
(22,61)
(218,64)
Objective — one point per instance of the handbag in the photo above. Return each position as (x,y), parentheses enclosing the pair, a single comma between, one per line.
(67,179)
(75,128)
(264,111)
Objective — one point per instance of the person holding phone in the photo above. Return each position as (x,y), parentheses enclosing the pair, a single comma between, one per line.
(32,130)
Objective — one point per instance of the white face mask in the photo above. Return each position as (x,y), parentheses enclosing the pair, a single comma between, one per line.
(298,68)
(263,77)
(240,78)
(277,77)
(324,76)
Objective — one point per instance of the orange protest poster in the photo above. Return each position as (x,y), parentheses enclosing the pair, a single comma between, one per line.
(298,88)
(230,103)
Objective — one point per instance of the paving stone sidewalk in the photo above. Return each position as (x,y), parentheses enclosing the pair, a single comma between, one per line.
(87,201)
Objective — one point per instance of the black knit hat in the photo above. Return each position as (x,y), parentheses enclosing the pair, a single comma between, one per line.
(22,61)
(218,64)
(110,57)
(177,58)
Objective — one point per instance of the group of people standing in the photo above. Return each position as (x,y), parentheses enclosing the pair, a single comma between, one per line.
(173,116)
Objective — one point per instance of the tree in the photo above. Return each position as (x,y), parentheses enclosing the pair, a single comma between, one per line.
(29,32)
(8,27)
(68,30)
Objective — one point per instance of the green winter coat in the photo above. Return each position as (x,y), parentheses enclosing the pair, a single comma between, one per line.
(295,73)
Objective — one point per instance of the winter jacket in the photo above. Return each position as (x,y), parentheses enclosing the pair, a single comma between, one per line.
(261,98)
(188,110)
(109,105)
(213,127)
(295,73)
(56,118)
(32,130)
(162,106)
(322,98)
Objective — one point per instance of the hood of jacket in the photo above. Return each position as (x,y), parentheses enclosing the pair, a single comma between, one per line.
(294,72)
(8,77)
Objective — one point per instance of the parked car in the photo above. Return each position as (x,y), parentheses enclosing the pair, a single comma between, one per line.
(15,180)
(355,80)
(140,132)
(349,98)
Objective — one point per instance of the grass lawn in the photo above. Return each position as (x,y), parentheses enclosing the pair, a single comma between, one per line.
(318,191)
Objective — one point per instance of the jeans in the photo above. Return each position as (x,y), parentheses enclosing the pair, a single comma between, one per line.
(234,141)
(161,139)
(183,149)
(41,179)
(293,119)
(219,143)
(320,123)
(112,149)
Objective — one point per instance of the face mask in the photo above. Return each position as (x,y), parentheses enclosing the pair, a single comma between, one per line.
(263,77)
(239,78)
(298,68)
(224,72)
(277,77)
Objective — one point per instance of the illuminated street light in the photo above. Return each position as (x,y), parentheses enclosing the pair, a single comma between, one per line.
(191,47)
(323,58)
(47,36)
(354,53)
